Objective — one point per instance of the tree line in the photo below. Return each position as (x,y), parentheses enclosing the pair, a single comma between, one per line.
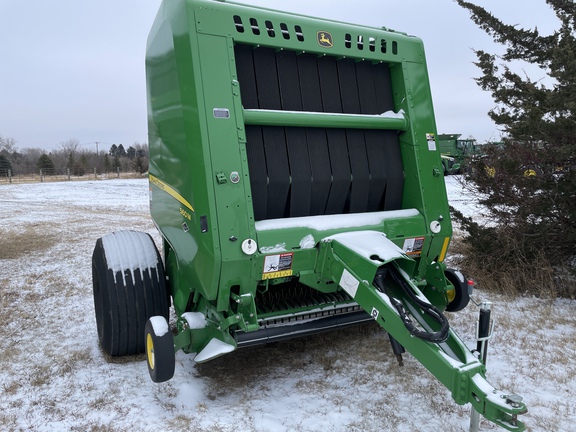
(71,158)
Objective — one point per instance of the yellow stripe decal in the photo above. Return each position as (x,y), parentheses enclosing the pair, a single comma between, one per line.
(169,190)
(444,249)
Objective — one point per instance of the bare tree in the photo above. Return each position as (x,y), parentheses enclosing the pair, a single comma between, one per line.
(7,145)
(70,146)
(70,149)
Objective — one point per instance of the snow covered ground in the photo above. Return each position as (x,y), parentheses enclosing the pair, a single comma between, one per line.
(53,375)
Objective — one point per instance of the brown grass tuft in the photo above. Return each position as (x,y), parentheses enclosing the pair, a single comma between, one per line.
(19,244)
(535,277)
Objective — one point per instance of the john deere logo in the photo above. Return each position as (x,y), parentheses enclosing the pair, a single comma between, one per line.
(324,39)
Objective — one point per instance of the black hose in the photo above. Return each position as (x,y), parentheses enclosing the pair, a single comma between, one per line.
(434,337)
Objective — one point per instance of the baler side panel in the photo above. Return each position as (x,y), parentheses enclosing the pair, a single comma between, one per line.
(424,183)
(228,168)
(174,123)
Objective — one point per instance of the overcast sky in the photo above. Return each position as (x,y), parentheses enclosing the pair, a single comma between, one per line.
(75,68)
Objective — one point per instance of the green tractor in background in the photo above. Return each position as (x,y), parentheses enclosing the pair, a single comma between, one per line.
(297,185)
(457,153)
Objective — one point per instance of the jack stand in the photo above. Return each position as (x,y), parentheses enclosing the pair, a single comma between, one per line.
(397,349)
(484,329)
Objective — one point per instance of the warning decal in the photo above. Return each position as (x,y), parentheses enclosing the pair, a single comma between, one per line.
(430,138)
(413,246)
(276,266)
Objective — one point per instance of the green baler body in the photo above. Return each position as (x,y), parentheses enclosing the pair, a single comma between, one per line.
(272,138)
(192,71)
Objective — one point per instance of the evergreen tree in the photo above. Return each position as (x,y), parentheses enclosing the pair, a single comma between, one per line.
(107,165)
(4,166)
(121,152)
(82,166)
(140,164)
(116,163)
(131,152)
(45,164)
(113,150)
(528,183)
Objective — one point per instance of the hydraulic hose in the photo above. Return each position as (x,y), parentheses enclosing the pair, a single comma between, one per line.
(432,311)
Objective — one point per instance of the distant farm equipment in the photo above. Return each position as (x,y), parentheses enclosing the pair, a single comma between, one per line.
(457,153)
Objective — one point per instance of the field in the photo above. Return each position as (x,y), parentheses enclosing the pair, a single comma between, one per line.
(55,377)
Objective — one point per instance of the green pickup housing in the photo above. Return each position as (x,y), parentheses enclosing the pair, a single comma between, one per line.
(293,161)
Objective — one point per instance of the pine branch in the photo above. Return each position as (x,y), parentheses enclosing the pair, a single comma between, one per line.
(521,44)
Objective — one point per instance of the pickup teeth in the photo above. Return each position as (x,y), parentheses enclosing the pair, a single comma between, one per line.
(321,311)
(291,297)
(291,309)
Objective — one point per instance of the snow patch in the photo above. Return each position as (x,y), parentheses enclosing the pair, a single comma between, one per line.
(129,250)
(327,222)
(280,247)
(213,349)
(369,244)
(195,320)
(159,325)
(307,242)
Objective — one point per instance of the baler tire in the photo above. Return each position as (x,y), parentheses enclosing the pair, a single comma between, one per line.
(125,299)
(461,296)
(160,356)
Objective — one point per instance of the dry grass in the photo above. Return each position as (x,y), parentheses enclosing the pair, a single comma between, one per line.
(19,244)
(35,178)
(534,277)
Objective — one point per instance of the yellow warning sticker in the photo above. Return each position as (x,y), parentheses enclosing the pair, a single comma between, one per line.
(278,274)
(276,266)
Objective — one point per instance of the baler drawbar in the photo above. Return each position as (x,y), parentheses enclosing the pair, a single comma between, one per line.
(297,185)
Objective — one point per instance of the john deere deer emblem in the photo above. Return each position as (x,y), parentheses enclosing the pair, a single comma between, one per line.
(324,39)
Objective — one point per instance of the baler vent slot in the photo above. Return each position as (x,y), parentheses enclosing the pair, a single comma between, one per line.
(372,44)
(254,26)
(269,27)
(284,30)
(358,42)
(299,34)
(307,171)
(238,24)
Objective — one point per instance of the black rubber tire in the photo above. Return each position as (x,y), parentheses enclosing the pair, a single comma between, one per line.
(126,297)
(160,356)
(461,297)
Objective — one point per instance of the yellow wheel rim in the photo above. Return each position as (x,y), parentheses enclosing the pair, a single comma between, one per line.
(451,295)
(150,350)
